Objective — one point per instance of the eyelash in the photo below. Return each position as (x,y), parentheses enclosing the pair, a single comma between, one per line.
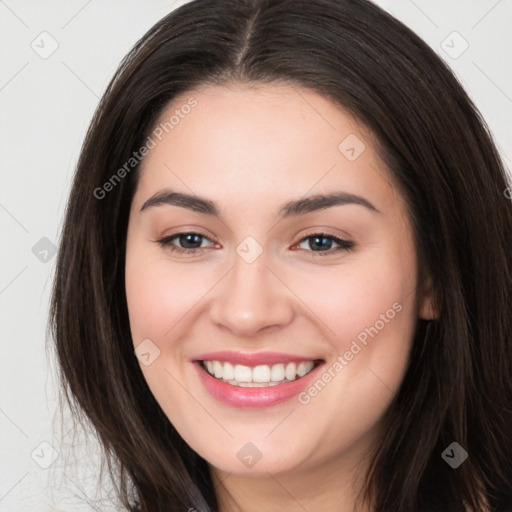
(344,245)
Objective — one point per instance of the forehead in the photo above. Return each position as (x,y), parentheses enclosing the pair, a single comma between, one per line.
(256,140)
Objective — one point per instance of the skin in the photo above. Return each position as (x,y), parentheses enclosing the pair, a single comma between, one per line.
(250,149)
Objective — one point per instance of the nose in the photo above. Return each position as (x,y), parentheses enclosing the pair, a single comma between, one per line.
(252,299)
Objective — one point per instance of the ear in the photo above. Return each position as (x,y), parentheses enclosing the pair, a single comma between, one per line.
(427,303)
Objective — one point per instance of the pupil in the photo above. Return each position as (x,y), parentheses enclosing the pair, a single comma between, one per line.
(320,245)
(188,240)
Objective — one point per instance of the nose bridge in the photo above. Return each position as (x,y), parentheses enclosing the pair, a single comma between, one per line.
(251,297)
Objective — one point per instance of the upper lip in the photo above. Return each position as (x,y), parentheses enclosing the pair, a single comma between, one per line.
(252,358)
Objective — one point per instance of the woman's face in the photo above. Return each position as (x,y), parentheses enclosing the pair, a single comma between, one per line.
(299,289)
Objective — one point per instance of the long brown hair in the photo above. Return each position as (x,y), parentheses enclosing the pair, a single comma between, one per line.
(458,384)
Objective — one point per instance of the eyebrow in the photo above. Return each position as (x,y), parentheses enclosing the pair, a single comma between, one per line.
(292,208)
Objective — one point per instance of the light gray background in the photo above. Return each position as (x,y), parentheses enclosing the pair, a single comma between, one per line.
(45,107)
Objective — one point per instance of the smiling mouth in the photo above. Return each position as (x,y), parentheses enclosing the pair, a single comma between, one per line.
(260,375)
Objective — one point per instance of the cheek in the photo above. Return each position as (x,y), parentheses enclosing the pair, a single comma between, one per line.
(369,313)
(147,297)
(348,299)
(368,310)
(159,294)
(159,297)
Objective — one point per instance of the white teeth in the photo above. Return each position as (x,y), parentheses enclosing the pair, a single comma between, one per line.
(242,373)
(261,373)
(217,369)
(277,373)
(253,384)
(304,367)
(259,376)
(228,372)
(291,371)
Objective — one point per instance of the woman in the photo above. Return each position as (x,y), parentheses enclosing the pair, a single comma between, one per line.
(284,279)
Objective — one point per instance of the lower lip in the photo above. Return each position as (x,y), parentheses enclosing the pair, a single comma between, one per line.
(245,397)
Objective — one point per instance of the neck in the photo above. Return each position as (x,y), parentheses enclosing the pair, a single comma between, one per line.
(334,485)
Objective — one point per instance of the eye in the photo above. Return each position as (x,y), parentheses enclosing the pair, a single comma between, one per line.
(191,241)
(323,242)
(320,244)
